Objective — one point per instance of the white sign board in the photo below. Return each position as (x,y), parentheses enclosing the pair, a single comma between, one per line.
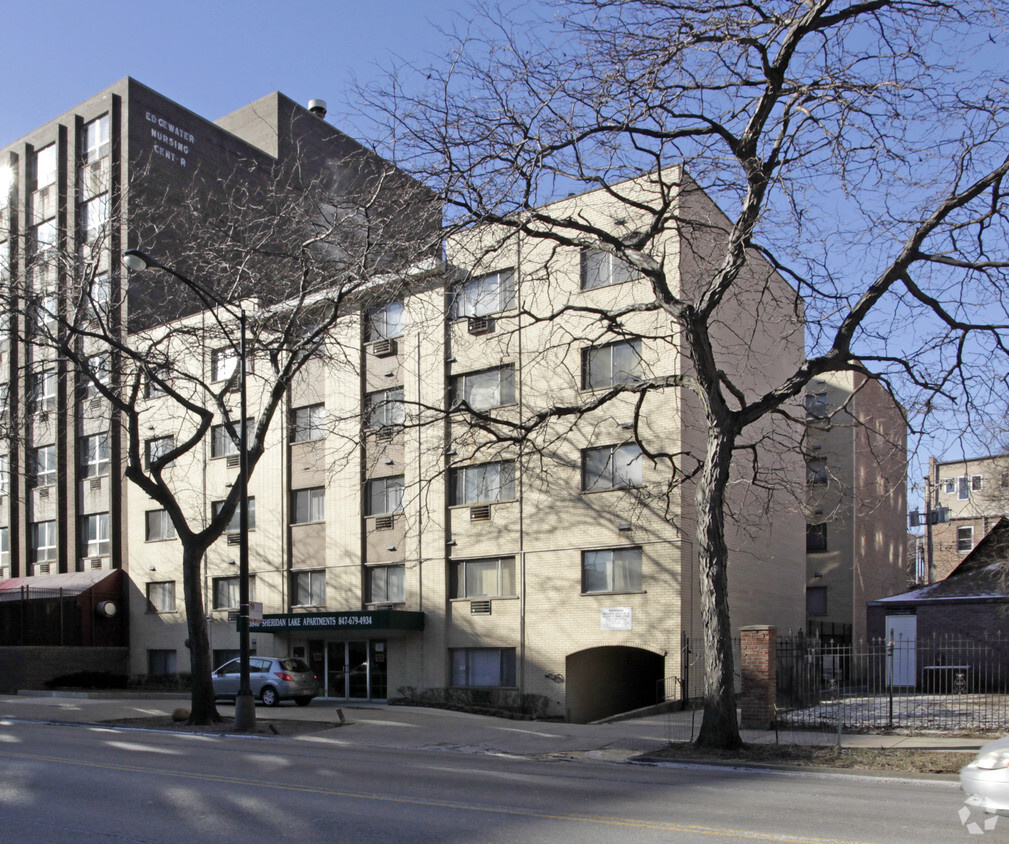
(255,612)
(615,618)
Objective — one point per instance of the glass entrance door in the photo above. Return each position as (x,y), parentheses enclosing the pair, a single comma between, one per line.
(356,670)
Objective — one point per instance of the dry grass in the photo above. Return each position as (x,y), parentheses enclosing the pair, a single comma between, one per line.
(865,758)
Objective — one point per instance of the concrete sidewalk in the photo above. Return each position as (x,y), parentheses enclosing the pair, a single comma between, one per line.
(379,725)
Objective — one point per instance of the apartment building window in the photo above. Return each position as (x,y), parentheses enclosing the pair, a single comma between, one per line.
(157,448)
(93,216)
(964,539)
(225,592)
(816,472)
(44,167)
(484,295)
(976,483)
(95,139)
(46,309)
(612,364)
(963,489)
(384,323)
(98,297)
(5,546)
(483,667)
(308,505)
(94,454)
(494,577)
(308,423)
(98,372)
(5,474)
(159,526)
(5,248)
(223,363)
(161,661)
(601,269)
(308,588)
(483,483)
(221,442)
(816,600)
(234,526)
(816,538)
(44,238)
(43,542)
(161,596)
(483,390)
(816,405)
(384,408)
(154,383)
(949,486)
(384,495)
(95,535)
(611,467)
(43,469)
(612,570)
(42,391)
(386,584)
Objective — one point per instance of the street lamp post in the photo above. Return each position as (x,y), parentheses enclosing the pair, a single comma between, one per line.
(245,706)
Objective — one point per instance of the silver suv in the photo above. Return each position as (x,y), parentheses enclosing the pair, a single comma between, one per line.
(271,679)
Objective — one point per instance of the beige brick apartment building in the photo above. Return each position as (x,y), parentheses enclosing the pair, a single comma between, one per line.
(975,493)
(856,447)
(395,544)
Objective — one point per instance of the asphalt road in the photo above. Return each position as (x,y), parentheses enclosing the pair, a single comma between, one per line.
(95,784)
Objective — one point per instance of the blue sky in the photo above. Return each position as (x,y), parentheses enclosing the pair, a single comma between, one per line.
(212,56)
(217,55)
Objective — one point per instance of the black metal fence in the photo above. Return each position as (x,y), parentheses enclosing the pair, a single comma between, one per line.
(949,682)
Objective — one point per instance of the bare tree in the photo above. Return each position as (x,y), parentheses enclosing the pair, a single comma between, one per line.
(294,250)
(858,148)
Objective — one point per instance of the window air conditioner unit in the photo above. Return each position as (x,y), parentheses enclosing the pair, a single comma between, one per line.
(383,348)
(385,522)
(234,538)
(96,563)
(479,607)
(480,325)
(384,435)
(479,513)
(43,568)
(43,492)
(234,461)
(96,483)
(96,402)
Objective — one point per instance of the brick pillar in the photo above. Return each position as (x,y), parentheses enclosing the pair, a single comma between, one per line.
(759,667)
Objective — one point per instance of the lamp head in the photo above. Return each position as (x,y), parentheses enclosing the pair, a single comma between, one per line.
(134,260)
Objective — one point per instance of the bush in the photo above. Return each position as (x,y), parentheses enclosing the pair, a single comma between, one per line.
(502,703)
(88,680)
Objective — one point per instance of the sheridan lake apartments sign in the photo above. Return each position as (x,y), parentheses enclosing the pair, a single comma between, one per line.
(306,622)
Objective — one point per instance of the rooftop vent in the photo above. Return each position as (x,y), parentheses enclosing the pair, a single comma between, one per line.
(317,107)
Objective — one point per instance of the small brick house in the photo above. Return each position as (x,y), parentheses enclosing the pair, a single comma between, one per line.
(960,621)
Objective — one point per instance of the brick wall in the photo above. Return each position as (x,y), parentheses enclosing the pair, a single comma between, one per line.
(758,662)
(32,667)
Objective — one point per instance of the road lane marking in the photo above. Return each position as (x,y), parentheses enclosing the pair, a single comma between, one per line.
(603,820)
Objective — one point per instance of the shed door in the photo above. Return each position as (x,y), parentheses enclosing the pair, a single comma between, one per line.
(905,632)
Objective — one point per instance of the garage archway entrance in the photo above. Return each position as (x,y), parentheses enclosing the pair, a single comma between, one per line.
(607,681)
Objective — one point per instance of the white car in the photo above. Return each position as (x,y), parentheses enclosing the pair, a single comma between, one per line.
(987,776)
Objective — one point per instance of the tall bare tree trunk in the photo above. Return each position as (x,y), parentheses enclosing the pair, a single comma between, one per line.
(203,708)
(719,727)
